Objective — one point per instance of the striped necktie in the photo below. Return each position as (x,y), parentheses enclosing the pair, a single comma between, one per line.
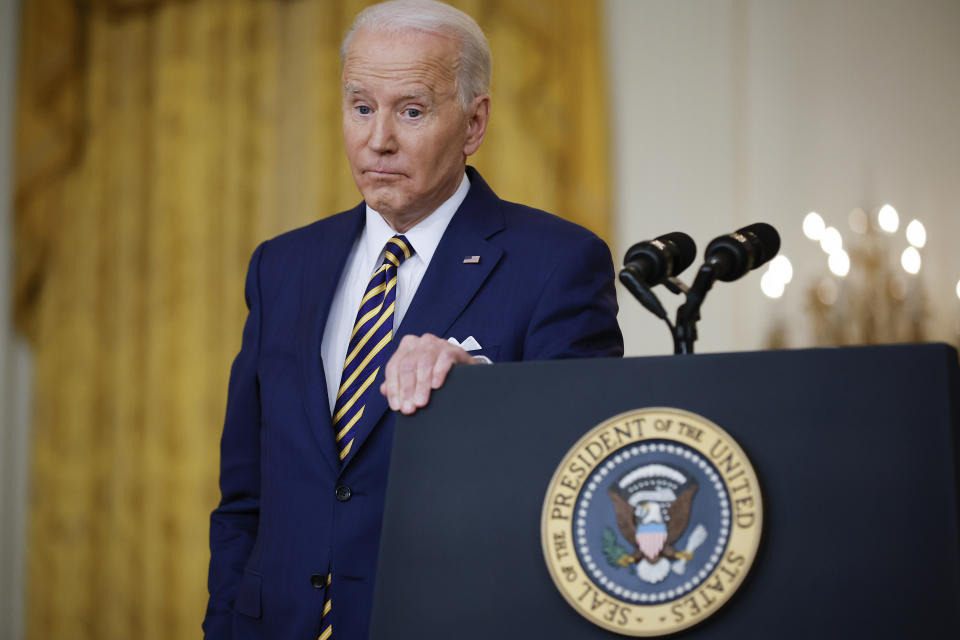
(367,350)
(365,355)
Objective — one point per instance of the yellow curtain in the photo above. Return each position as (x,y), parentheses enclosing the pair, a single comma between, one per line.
(158,142)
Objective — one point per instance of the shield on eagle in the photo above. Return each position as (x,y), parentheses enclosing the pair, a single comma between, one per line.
(651,538)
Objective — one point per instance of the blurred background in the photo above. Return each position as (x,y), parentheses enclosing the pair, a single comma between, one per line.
(147,146)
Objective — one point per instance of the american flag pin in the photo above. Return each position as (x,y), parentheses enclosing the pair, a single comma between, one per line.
(471,260)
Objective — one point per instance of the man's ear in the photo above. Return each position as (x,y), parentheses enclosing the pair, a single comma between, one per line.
(478,114)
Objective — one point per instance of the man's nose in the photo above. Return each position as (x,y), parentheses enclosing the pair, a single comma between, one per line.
(383,135)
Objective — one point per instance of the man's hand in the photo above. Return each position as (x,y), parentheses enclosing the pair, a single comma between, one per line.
(419,365)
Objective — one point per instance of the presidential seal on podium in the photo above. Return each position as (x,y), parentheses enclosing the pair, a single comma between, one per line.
(651,521)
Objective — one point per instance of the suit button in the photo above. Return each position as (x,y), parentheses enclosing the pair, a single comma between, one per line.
(343,493)
(318,580)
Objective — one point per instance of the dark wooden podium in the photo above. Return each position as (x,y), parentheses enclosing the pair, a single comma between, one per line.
(856,450)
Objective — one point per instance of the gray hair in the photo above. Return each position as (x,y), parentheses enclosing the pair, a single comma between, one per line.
(476,61)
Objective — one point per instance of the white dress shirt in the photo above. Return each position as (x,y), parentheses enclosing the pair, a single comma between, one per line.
(364,259)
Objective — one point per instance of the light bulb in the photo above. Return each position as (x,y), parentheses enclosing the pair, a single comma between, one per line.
(813,226)
(916,234)
(910,260)
(782,269)
(831,241)
(858,220)
(888,219)
(839,263)
(771,285)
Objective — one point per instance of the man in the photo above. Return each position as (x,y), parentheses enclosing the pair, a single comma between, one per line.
(307,435)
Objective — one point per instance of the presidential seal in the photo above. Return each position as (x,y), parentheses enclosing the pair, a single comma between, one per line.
(651,522)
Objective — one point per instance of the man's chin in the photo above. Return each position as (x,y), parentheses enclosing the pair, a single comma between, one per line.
(384,202)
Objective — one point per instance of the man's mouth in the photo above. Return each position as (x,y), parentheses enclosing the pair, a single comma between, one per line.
(383,174)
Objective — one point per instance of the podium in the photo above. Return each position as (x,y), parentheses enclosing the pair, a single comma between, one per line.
(856,451)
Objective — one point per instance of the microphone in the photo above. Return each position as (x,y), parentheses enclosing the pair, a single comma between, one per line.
(727,258)
(652,261)
(733,255)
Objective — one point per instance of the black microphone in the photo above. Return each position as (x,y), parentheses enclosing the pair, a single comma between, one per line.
(733,255)
(652,261)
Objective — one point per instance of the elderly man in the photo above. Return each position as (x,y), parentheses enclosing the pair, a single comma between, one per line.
(432,256)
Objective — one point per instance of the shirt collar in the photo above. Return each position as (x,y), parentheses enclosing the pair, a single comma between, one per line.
(423,236)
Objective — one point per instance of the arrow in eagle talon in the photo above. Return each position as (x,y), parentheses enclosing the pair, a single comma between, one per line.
(697,538)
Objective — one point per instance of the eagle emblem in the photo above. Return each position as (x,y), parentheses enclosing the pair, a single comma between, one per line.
(639,529)
(652,505)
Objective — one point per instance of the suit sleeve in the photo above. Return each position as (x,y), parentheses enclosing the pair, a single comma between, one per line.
(576,314)
(233,524)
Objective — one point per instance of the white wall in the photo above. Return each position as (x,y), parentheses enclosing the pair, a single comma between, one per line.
(733,111)
(14,362)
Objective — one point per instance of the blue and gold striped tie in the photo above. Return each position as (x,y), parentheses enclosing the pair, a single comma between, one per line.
(326,628)
(367,350)
(365,355)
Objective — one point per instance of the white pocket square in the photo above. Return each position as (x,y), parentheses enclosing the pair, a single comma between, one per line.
(469,344)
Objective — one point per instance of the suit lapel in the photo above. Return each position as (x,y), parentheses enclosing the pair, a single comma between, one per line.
(447,286)
(324,266)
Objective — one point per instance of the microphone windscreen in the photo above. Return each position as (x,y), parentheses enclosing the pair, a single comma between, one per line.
(685,249)
(765,239)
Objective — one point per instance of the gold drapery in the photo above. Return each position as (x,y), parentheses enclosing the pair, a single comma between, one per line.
(157,143)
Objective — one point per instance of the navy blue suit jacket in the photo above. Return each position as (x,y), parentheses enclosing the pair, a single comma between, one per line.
(543,289)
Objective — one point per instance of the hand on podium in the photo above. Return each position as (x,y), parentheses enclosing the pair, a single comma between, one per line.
(419,365)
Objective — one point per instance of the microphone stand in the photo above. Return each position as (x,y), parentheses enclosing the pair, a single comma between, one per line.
(646,297)
(685,329)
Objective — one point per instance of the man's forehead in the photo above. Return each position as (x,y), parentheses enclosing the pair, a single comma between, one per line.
(397,54)
(403,91)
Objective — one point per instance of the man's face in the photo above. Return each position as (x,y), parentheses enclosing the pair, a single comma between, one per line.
(406,134)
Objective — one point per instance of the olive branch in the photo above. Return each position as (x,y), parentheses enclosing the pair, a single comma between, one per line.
(616,554)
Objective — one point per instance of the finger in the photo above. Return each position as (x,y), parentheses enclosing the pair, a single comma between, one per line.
(440,370)
(392,388)
(425,366)
(403,367)
(451,356)
(391,382)
(407,382)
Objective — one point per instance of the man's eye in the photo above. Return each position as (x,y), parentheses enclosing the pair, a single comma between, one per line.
(364,110)
(412,113)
